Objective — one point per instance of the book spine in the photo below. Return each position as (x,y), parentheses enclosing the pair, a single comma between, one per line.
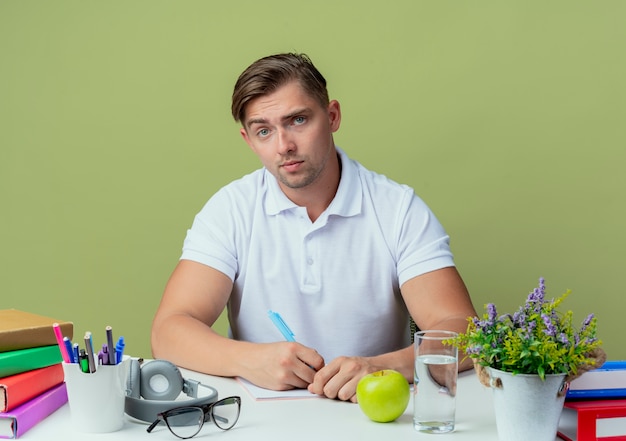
(32,412)
(19,388)
(15,362)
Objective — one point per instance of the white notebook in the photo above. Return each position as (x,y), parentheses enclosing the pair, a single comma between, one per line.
(259,393)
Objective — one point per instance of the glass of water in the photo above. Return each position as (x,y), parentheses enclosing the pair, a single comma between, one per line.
(434,390)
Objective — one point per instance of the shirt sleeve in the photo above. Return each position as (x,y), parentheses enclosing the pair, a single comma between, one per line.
(211,238)
(423,244)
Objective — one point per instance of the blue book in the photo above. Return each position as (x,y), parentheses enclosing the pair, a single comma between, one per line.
(607,381)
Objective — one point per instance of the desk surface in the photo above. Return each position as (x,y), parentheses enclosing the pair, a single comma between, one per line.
(303,419)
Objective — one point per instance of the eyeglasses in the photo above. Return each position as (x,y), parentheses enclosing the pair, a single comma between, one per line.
(185,422)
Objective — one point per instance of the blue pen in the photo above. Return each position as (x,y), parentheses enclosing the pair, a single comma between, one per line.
(119,350)
(69,349)
(76,353)
(281,325)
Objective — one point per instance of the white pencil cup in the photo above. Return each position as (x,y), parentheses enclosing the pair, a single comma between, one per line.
(97,399)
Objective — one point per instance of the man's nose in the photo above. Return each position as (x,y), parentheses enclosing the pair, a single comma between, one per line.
(286,143)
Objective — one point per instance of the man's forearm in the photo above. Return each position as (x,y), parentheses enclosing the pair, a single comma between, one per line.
(459,325)
(401,361)
(191,344)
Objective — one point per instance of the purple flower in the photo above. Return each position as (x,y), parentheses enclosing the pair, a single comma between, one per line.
(550,328)
(542,285)
(534,301)
(587,322)
(536,297)
(473,349)
(536,326)
(491,314)
(519,319)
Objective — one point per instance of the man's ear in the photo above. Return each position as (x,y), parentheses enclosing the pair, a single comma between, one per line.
(334,115)
(244,135)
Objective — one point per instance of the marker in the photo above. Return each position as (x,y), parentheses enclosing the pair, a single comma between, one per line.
(83,361)
(68,348)
(90,355)
(119,350)
(281,325)
(103,355)
(76,353)
(110,347)
(59,336)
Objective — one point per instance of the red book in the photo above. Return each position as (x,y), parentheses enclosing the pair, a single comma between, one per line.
(19,388)
(15,422)
(601,420)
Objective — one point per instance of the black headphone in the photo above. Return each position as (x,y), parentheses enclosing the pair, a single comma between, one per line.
(159,382)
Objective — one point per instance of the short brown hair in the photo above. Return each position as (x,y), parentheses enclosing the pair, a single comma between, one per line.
(267,74)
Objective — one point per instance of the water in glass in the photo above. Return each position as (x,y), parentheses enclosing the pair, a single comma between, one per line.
(435,383)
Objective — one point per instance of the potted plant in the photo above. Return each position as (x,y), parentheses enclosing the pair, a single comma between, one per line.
(528,358)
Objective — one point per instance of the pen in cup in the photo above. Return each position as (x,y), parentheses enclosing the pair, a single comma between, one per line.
(103,355)
(59,336)
(110,347)
(119,351)
(83,361)
(90,356)
(68,348)
(76,353)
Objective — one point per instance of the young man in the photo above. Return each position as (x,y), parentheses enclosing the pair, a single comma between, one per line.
(342,253)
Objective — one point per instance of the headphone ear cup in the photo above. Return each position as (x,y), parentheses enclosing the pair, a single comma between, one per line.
(132,384)
(160,380)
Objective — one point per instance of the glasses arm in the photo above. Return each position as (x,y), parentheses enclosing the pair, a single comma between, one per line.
(217,417)
(153,425)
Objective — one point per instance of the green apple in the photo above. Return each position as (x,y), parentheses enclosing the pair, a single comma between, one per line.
(383,395)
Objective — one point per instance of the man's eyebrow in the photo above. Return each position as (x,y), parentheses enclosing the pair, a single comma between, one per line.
(290,115)
(256,121)
(297,112)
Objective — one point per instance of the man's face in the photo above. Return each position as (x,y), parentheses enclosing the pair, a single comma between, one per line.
(292,134)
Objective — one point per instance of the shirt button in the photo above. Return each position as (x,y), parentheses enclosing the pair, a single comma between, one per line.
(309,261)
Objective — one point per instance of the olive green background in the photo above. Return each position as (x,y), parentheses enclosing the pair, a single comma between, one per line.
(507,117)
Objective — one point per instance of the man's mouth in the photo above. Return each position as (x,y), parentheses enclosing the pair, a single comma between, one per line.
(291,166)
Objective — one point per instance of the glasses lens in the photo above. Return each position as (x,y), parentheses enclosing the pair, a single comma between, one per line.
(184,422)
(226,412)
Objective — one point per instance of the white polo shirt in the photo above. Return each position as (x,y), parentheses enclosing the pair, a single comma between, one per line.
(334,281)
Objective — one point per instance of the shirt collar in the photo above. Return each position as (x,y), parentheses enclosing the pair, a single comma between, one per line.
(347,200)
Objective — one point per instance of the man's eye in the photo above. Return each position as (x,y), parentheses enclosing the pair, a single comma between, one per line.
(263,132)
(299,120)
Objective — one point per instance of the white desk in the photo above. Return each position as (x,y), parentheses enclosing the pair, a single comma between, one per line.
(314,419)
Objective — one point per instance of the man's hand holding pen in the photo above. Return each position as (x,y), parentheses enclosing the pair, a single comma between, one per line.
(282,365)
(337,380)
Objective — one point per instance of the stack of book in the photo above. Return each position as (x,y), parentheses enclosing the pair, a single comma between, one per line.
(31,375)
(595,405)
